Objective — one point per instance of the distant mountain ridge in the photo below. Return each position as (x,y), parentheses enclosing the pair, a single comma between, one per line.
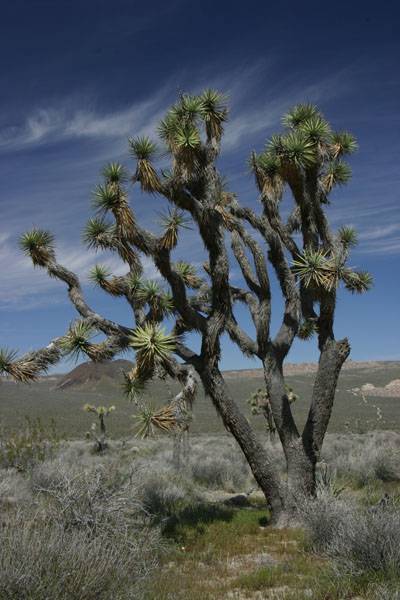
(91,374)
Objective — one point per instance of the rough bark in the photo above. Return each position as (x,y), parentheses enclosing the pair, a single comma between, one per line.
(264,471)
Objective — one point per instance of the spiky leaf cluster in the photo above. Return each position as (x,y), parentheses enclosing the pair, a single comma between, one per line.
(307,144)
(98,234)
(153,346)
(99,410)
(343,143)
(77,341)
(23,371)
(183,125)
(214,112)
(115,174)
(267,171)
(172,222)
(134,384)
(149,419)
(144,151)
(99,274)
(26,369)
(299,114)
(160,303)
(39,245)
(347,237)
(316,270)
(357,282)
(188,274)
(106,198)
(335,173)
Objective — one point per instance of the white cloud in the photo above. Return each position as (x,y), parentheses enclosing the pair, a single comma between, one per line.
(377,233)
(71,121)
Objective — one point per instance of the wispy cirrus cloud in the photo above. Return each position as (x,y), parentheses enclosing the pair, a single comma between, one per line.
(77,119)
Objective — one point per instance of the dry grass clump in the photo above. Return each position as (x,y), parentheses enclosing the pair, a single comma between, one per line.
(219,464)
(42,560)
(28,445)
(84,535)
(365,458)
(360,540)
(165,493)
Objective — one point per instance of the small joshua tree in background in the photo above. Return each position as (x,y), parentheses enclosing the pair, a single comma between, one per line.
(260,405)
(100,435)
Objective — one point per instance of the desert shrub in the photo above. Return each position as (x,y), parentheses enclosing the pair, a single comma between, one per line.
(164,493)
(84,535)
(360,540)
(217,463)
(28,445)
(383,591)
(14,489)
(41,560)
(219,473)
(96,499)
(364,458)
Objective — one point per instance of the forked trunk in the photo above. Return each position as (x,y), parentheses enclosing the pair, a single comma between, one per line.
(264,471)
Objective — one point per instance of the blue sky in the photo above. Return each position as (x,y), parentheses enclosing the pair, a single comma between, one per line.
(78,78)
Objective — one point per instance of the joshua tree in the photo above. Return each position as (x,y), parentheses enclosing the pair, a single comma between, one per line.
(309,260)
(175,418)
(101,412)
(260,405)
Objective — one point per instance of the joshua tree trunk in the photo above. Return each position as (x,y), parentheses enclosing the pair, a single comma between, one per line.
(101,440)
(180,453)
(264,471)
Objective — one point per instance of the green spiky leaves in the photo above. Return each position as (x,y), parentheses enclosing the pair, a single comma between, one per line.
(26,369)
(103,411)
(172,222)
(318,271)
(188,274)
(149,419)
(144,150)
(99,274)
(336,173)
(316,129)
(267,171)
(315,270)
(214,112)
(182,127)
(343,143)
(106,198)
(115,173)
(23,371)
(160,303)
(298,149)
(187,137)
(357,282)
(348,237)
(299,114)
(98,234)
(39,245)
(153,346)
(77,341)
